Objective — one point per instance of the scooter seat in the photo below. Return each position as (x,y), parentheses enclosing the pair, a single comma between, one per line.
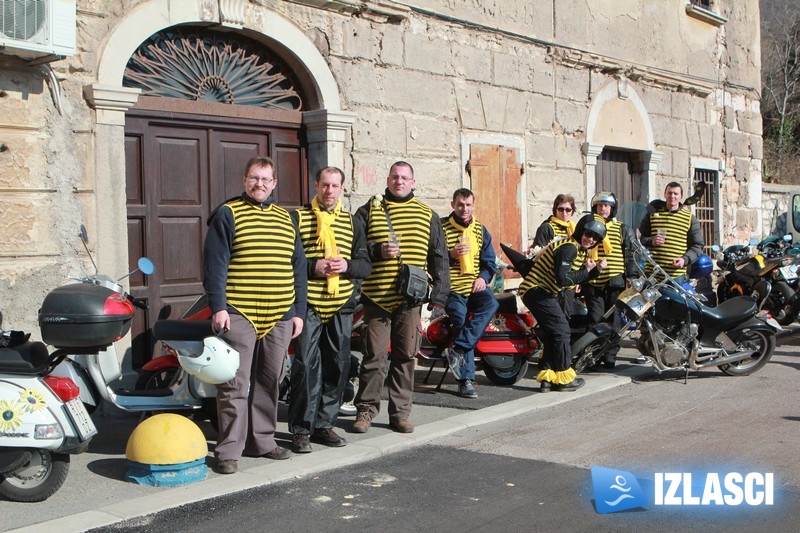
(24,358)
(507,301)
(182,330)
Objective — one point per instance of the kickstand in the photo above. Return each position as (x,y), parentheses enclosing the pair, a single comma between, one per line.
(430,369)
(686,375)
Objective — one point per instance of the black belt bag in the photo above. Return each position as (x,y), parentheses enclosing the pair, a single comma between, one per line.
(412,281)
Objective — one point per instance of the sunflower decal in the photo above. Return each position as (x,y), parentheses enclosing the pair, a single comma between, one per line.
(498,323)
(31,400)
(10,415)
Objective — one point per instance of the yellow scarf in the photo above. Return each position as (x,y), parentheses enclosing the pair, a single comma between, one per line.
(568,224)
(466,261)
(594,253)
(326,238)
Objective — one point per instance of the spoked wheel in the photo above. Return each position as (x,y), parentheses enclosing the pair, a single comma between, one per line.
(36,480)
(588,350)
(762,343)
(504,370)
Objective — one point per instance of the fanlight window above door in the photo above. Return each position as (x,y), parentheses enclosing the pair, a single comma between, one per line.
(201,64)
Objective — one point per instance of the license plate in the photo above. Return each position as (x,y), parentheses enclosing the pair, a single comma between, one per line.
(789,273)
(633,300)
(80,417)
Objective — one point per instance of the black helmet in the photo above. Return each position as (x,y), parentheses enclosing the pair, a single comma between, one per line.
(591,224)
(605,197)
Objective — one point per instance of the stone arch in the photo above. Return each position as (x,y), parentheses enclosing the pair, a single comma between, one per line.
(618,118)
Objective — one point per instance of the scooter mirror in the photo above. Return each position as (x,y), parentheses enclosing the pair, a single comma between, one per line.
(146,266)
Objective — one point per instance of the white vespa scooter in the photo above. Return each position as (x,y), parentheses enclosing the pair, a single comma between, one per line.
(42,420)
(205,360)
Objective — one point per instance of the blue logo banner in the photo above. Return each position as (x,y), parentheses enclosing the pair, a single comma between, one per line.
(616,490)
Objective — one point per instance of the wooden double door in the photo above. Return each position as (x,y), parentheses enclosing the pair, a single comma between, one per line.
(179,167)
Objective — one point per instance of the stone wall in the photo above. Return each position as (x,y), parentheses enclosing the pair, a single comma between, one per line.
(420,77)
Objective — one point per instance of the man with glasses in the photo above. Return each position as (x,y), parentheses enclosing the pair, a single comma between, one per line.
(400,229)
(562,265)
(258,315)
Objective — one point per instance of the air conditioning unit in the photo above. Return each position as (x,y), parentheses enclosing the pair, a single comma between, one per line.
(32,29)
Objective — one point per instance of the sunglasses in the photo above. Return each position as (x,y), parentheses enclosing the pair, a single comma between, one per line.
(592,235)
(564,209)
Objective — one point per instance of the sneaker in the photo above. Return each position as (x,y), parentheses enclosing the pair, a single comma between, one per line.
(363,420)
(466,389)
(347,409)
(228,466)
(455,359)
(301,443)
(328,437)
(401,425)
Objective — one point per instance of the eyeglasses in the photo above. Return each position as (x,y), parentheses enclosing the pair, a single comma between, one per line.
(401,178)
(256,179)
(564,209)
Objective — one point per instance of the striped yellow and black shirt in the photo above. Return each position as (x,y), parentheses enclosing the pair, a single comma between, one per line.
(543,272)
(677,225)
(616,259)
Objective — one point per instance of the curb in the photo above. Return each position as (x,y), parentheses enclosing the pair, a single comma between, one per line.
(319,461)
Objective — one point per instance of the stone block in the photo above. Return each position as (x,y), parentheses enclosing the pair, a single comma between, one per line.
(749,122)
(469,107)
(539,148)
(361,82)
(541,113)
(424,135)
(680,162)
(359,39)
(737,143)
(571,83)
(392,48)
(422,52)
(571,116)
(741,168)
(472,63)
(729,118)
(379,132)
(568,152)
(417,92)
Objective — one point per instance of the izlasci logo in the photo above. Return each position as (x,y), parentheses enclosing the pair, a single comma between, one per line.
(616,490)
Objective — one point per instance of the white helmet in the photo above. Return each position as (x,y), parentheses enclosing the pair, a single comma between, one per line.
(217,364)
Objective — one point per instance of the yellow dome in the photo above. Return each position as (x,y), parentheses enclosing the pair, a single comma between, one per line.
(166,439)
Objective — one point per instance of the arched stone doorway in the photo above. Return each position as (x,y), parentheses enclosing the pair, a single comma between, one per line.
(301,140)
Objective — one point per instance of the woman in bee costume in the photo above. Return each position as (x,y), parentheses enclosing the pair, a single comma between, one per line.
(563,265)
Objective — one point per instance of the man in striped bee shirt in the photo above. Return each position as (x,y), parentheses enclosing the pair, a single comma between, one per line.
(417,239)
(335,247)
(472,267)
(671,232)
(254,273)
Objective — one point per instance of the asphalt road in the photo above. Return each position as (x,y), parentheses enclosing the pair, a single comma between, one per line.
(531,472)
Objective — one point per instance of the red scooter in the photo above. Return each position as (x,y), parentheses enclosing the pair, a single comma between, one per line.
(508,343)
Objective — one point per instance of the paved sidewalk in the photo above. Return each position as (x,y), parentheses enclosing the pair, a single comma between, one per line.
(95,493)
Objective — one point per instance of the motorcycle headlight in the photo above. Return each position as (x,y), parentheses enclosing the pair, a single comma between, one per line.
(651,294)
(638,283)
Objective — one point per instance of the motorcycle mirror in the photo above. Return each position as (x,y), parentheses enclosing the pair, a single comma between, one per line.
(146,266)
(85,240)
(715,248)
(787,238)
(753,241)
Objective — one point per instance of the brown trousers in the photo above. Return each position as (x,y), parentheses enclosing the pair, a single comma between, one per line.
(401,329)
(247,405)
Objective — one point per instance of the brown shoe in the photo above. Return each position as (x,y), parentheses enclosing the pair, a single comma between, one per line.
(301,444)
(363,420)
(401,425)
(228,466)
(279,454)
(328,437)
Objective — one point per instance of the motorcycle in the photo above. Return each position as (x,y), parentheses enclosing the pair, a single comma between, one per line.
(98,307)
(677,331)
(42,420)
(740,271)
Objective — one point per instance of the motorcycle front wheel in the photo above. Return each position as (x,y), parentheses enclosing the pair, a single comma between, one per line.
(588,350)
(762,342)
(36,480)
(502,374)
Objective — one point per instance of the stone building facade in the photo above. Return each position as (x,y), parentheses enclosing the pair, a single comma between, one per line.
(518,100)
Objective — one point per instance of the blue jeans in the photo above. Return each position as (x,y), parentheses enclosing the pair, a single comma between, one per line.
(483,306)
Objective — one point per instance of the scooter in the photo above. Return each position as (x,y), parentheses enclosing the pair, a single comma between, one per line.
(42,420)
(100,306)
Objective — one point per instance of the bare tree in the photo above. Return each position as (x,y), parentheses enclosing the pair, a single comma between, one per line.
(780,104)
